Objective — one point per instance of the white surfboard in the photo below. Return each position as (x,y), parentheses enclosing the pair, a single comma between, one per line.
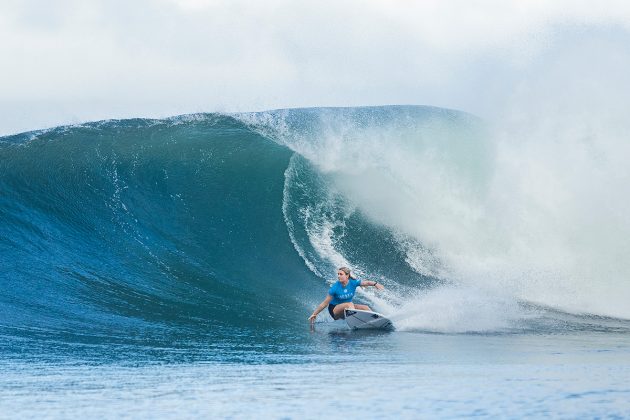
(360,319)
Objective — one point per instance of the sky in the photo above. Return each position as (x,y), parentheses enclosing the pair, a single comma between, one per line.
(71,61)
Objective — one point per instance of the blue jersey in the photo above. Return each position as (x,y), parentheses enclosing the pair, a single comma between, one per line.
(342,294)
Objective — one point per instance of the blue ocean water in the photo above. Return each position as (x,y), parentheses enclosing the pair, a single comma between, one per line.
(167,267)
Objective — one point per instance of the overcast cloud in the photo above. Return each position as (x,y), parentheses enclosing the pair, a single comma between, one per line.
(69,61)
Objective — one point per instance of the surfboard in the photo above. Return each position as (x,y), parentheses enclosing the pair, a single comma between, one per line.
(359,319)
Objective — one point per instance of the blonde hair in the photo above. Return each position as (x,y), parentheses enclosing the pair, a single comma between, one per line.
(347,271)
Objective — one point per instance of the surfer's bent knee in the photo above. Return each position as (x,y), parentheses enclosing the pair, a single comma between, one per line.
(336,311)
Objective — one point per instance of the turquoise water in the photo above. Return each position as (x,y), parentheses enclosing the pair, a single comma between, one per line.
(168,267)
(406,375)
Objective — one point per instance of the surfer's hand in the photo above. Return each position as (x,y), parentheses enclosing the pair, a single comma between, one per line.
(379,286)
(312,318)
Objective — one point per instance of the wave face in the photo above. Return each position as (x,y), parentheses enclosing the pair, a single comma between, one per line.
(213,223)
(129,227)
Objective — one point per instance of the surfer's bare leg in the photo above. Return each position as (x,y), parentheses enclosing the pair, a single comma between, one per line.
(338,310)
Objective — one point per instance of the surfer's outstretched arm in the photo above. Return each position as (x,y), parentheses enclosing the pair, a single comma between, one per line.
(320,308)
(372,283)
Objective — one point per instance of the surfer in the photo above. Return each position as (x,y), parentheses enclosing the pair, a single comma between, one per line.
(341,293)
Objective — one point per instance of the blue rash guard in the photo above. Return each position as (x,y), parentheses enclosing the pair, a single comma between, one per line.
(342,294)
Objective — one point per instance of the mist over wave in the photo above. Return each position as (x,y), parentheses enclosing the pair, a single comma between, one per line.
(213,223)
(529,209)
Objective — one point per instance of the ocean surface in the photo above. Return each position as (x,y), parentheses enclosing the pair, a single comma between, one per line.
(167,268)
